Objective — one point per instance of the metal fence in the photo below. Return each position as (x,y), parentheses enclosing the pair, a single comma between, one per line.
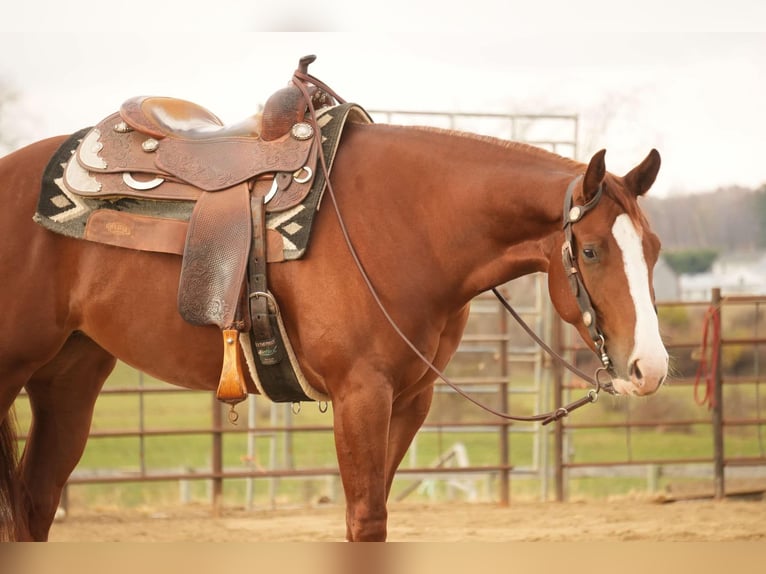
(717,392)
(716,396)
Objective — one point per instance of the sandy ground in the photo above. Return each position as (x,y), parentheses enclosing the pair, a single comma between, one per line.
(616,520)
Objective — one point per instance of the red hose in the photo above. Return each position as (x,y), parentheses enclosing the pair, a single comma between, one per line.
(707,371)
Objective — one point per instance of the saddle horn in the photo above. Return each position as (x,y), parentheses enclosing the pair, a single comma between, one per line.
(305,61)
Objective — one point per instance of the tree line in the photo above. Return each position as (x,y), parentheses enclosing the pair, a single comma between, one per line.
(695,229)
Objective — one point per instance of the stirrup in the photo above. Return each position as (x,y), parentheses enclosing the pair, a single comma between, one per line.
(231,386)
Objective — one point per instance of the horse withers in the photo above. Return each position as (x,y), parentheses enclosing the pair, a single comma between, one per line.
(434,218)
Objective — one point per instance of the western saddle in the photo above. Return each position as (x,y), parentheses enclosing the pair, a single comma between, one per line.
(170,149)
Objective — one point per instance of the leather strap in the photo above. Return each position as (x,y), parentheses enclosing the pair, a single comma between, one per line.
(269,352)
(573,214)
(275,372)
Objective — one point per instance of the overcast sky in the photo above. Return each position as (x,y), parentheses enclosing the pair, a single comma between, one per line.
(691,83)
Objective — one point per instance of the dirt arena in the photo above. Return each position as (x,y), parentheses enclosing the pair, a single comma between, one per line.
(614,520)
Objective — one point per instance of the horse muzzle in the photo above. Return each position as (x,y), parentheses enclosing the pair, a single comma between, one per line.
(645,376)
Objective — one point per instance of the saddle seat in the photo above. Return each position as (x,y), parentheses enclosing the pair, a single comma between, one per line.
(162,117)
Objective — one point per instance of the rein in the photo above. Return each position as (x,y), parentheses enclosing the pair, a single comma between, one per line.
(300,78)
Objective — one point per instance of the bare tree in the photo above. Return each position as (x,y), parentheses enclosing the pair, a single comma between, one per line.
(728,219)
(8,140)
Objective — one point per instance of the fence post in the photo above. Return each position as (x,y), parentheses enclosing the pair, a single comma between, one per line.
(217,454)
(558,391)
(717,409)
(505,458)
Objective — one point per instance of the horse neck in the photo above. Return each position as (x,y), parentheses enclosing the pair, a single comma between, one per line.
(483,211)
(505,201)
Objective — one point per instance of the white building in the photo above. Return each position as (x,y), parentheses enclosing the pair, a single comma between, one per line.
(739,274)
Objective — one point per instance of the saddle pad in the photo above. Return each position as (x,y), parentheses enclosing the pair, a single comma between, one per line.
(66,213)
(63,212)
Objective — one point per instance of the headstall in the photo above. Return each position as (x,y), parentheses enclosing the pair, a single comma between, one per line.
(573,214)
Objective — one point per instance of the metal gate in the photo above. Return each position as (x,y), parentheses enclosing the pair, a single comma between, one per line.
(522,373)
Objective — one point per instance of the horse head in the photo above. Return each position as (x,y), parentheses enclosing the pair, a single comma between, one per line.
(604,286)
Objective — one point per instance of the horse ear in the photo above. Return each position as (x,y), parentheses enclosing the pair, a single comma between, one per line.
(594,175)
(641,177)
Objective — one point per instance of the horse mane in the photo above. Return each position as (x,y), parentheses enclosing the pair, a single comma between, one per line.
(515,146)
(628,202)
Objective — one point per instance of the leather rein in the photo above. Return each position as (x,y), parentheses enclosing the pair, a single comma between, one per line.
(572,214)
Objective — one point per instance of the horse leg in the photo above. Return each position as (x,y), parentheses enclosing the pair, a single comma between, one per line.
(10,511)
(16,369)
(361,416)
(62,395)
(411,408)
(407,417)
(12,520)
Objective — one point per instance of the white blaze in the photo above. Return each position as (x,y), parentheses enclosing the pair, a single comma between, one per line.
(648,349)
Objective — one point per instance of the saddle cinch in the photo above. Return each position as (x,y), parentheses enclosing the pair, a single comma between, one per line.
(170,149)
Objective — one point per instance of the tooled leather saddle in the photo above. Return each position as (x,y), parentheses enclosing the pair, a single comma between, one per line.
(171,149)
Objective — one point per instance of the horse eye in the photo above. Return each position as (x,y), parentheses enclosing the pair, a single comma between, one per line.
(590,254)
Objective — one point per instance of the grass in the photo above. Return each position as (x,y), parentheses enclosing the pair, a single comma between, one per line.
(315,449)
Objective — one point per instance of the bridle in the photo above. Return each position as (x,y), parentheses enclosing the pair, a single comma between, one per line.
(572,214)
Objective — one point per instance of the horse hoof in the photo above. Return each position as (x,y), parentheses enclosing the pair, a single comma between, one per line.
(60,515)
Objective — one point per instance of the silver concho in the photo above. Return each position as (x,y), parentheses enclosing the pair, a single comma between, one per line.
(122,128)
(575,213)
(302,131)
(150,145)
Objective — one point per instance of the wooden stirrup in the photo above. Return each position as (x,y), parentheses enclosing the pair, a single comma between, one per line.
(231,386)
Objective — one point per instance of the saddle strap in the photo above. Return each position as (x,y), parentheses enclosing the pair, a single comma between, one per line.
(274,367)
(269,352)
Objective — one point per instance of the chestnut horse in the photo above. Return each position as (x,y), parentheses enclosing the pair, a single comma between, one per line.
(435,217)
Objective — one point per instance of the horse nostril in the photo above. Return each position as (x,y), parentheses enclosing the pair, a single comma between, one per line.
(635,370)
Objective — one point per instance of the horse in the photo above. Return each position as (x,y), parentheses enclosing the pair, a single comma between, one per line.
(430,217)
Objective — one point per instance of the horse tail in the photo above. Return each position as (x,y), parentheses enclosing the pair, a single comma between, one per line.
(10,500)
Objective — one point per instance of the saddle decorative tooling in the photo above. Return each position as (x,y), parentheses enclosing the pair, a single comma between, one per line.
(167,150)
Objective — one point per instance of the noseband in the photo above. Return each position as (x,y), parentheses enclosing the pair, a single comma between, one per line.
(573,214)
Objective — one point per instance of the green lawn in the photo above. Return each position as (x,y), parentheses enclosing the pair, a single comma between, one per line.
(165,408)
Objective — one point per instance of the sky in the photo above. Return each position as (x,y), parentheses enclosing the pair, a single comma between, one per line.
(639,74)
